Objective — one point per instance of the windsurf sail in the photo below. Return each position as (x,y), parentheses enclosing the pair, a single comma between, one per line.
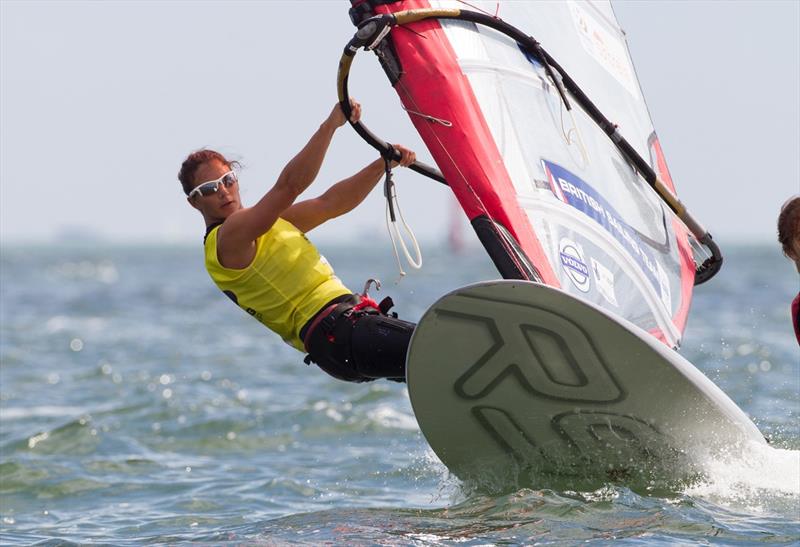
(515,101)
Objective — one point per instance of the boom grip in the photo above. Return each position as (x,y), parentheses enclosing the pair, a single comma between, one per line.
(414,15)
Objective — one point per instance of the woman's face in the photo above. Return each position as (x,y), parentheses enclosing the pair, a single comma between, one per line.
(219,205)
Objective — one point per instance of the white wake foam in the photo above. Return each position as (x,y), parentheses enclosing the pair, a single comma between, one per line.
(758,478)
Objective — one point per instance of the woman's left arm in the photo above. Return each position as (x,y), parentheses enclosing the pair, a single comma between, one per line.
(343,196)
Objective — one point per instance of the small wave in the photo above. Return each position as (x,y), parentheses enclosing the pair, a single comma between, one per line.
(389,417)
(103,271)
(64,323)
(289,487)
(77,437)
(19,413)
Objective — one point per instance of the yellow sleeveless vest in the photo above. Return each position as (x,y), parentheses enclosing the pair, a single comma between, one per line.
(284,286)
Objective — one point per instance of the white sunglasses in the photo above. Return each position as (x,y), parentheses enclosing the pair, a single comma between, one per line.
(212,187)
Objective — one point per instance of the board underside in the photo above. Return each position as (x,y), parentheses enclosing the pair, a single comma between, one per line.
(517,381)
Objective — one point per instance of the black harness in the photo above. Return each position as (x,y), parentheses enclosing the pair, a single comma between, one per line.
(353,339)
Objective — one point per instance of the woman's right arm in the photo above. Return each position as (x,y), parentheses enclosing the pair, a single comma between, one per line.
(244,226)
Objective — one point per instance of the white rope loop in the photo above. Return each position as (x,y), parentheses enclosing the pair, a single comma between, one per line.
(396,235)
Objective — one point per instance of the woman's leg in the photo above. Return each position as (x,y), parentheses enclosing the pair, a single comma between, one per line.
(379,345)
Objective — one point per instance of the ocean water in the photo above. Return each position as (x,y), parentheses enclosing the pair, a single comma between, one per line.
(139,406)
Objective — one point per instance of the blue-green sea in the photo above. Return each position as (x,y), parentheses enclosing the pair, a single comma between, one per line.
(138,405)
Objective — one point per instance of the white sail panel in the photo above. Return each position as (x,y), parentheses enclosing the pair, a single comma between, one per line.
(608,236)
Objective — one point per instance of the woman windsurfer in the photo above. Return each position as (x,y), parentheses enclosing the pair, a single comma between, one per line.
(260,258)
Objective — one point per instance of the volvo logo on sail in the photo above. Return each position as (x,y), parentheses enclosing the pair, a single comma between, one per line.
(574,265)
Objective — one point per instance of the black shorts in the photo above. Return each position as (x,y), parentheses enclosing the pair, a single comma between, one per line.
(357,345)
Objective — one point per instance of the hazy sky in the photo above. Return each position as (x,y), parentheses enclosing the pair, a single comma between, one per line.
(101,101)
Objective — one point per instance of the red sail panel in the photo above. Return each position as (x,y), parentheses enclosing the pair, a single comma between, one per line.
(466,152)
(681,315)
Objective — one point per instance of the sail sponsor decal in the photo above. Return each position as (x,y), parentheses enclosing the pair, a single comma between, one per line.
(573,264)
(580,195)
(604,281)
(604,47)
